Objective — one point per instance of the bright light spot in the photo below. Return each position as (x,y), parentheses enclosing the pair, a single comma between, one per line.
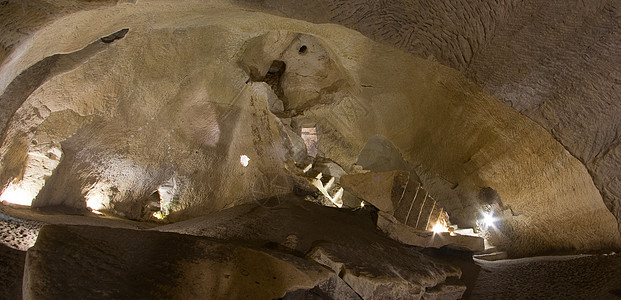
(488,220)
(362,204)
(244,160)
(96,200)
(307,168)
(336,199)
(158,215)
(440,227)
(16,194)
(40,164)
(330,183)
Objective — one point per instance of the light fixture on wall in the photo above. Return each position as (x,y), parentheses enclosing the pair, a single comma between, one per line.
(488,220)
(244,160)
(17,193)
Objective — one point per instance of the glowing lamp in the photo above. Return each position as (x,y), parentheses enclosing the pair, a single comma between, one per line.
(244,160)
(16,194)
(488,220)
(439,227)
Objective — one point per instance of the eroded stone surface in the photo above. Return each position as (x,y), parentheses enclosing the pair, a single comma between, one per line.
(410,236)
(345,241)
(553,61)
(456,137)
(397,275)
(12,270)
(94,262)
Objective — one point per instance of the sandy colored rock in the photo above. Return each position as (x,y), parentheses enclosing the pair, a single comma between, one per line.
(387,279)
(332,237)
(12,270)
(562,81)
(376,188)
(550,277)
(410,236)
(86,262)
(457,137)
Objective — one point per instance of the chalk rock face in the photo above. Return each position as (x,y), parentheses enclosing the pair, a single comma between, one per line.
(550,60)
(296,250)
(172,106)
(376,188)
(389,278)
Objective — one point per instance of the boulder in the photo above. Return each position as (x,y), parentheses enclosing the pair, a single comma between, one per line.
(11,272)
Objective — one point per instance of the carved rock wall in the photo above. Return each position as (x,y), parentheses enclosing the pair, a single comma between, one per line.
(168,73)
(556,62)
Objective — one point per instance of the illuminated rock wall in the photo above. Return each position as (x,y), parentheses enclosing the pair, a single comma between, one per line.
(176,100)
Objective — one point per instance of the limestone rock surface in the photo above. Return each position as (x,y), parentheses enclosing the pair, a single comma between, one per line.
(410,236)
(554,61)
(100,262)
(376,188)
(166,108)
(388,278)
(347,242)
(12,270)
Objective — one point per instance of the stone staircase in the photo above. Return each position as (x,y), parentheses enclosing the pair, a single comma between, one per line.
(326,184)
(416,208)
(407,212)
(396,193)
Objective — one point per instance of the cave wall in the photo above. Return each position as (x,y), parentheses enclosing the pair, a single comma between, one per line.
(556,62)
(457,137)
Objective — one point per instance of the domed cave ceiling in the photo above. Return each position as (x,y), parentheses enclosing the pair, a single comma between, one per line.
(142,109)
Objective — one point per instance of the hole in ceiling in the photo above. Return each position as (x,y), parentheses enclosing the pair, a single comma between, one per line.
(303,49)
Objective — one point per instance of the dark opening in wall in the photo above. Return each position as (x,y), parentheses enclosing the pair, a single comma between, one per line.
(274,75)
(309,135)
(303,49)
(150,205)
(115,36)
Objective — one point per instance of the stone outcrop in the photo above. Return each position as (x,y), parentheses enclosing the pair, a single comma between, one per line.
(389,278)
(12,270)
(553,61)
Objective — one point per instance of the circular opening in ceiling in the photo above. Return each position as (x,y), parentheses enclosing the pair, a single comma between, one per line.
(303,49)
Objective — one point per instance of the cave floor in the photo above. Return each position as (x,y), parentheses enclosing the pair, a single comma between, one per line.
(548,277)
